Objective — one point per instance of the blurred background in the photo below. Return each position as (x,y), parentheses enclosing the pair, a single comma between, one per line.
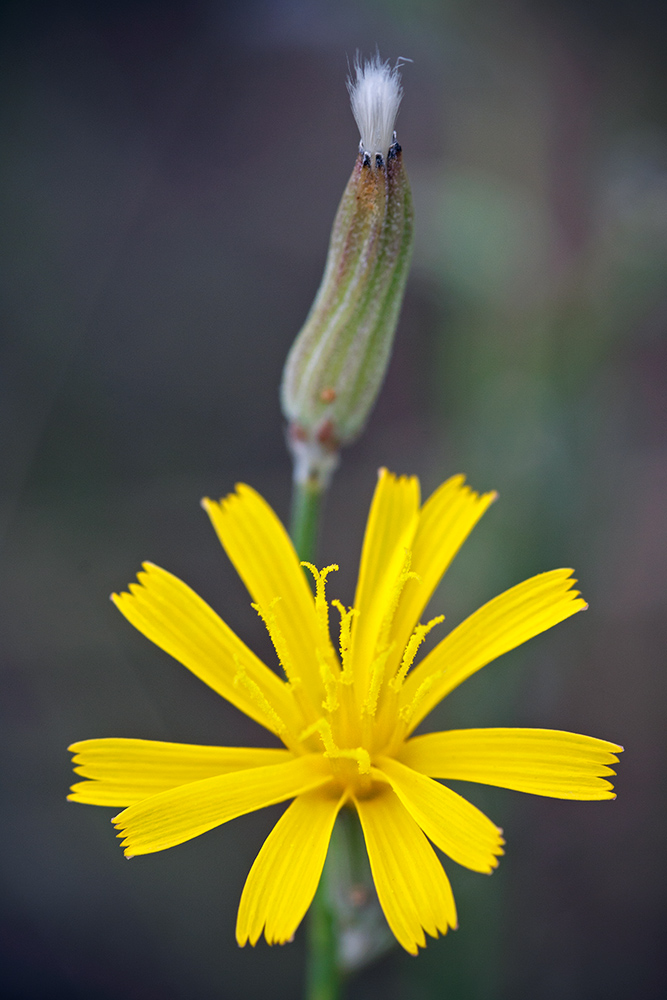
(170,172)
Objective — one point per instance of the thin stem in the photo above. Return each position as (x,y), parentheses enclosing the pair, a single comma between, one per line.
(306,508)
(323,977)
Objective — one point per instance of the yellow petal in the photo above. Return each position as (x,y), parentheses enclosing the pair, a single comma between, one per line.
(179,814)
(125,771)
(177,620)
(411,884)
(504,623)
(264,557)
(287,870)
(445,521)
(543,761)
(390,529)
(454,825)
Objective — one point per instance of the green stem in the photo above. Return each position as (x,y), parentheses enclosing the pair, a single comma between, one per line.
(323,977)
(306,507)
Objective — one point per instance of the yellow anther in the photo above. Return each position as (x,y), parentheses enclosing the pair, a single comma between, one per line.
(359,754)
(415,641)
(345,639)
(330,703)
(321,606)
(377,676)
(334,752)
(282,650)
(409,710)
(324,729)
(259,699)
(392,603)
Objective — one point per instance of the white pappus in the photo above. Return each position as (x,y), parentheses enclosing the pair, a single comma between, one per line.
(375,94)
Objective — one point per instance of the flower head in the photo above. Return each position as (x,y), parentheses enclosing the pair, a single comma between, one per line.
(344,710)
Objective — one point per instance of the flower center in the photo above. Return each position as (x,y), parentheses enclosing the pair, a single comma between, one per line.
(351,711)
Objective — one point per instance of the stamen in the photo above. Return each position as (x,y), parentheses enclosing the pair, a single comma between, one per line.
(392,604)
(377,676)
(282,650)
(409,710)
(324,729)
(346,617)
(415,641)
(260,699)
(330,703)
(358,754)
(321,606)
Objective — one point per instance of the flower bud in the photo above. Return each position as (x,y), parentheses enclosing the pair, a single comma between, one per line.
(337,363)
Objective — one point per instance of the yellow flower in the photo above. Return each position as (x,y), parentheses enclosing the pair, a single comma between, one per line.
(345,716)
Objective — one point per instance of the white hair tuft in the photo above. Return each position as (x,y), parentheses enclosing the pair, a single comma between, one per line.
(375,95)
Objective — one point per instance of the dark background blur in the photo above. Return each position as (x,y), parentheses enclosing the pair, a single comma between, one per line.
(171,171)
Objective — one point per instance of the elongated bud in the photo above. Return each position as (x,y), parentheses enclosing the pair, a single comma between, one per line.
(337,363)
